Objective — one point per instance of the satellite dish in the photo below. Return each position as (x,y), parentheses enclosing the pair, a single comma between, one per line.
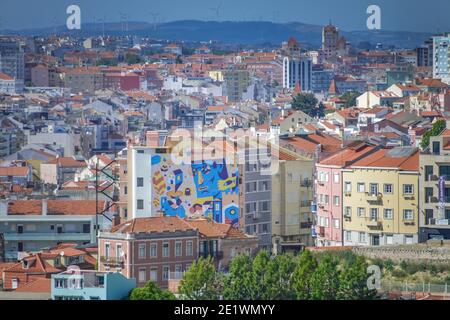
(122,254)
(61,253)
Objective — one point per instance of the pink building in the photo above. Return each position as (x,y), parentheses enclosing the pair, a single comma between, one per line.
(329,192)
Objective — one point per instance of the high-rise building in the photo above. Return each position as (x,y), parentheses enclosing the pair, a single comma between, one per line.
(425,54)
(12,60)
(441,58)
(330,38)
(297,70)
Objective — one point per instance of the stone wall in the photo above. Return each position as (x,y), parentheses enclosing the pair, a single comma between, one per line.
(436,252)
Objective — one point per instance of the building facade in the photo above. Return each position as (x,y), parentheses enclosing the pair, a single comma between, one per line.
(435,189)
(441,58)
(381,198)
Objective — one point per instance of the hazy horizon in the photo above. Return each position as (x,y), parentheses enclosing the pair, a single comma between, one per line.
(399,15)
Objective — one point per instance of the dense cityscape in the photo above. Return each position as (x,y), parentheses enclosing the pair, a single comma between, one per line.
(135,167)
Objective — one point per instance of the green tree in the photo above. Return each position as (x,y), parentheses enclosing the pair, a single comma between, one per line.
(278,278)
(308,103)
(201,281)
(353,281)
(437,128)
(325,280)
(257,281)
(132,58)
(349,99)
(238,283)
(306,266)
(151,292)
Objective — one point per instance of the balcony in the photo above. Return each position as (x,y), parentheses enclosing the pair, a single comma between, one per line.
(320,231)
(216,255)
(112,261)
(374,197)
(439,222)
(373,223)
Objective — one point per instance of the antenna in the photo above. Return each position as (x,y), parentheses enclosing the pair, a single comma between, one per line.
(216,10)
(154,16)
(55,23)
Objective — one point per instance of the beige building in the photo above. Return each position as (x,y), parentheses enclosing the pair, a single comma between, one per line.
(435,188)
(292,193)
(380,198)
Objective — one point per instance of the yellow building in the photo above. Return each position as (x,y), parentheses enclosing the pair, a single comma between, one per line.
(380,198)
(292,193)
(216,75)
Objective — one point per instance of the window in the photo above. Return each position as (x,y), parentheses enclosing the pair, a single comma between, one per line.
(408,214)
(264,186)
(140,204)
(362,237)
(336,200)
(327,222)
(373,189)
(165,249)
(264,206)
(107,247)
(327,198)
(125,190)
(361,212)
(336,178)
(348,236)
(388,188)
(409,239)
(154,274)
(250,207)
(153,250)
(166,272)
(348,211)
(374,214)
(142,276)
(389,239)
(348,187)
(336,223)
(251,186)
(428,172)
(408,189)
(428,194)
(140,182)
(178,249)
(178,271)
(388,214)
(86,228)
(190,247)
(142,251)
(119,251)
(361,187)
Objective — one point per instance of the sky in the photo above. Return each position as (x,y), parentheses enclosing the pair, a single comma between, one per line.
(349,15)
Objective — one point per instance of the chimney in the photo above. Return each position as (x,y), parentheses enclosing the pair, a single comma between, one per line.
(44,207)
(115,220)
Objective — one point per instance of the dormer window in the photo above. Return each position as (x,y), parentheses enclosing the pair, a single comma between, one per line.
(25,264)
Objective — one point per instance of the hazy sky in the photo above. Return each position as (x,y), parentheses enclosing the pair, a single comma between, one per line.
(409,15)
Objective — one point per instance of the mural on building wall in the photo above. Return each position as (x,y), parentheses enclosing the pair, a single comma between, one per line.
(209,189)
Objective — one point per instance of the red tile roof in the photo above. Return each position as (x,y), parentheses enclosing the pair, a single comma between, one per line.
(14,171)
(153,224)
(54,207)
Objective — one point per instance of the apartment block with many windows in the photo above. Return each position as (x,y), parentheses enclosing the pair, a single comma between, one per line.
(435,188)
(381,198)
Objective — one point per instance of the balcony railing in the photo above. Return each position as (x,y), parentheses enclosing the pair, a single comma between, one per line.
(373,222)
(217,255)
(111,261)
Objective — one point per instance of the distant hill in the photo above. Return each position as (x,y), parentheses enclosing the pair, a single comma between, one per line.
(234,32)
